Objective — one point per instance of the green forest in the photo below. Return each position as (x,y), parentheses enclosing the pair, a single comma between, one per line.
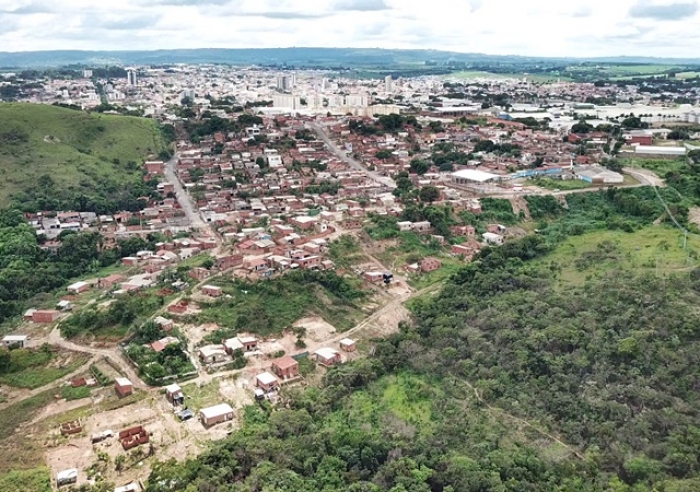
(505,381)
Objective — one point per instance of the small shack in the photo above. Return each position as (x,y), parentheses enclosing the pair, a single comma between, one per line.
(123,387)
(66,477)
(15,341)
(174,394)
(327,356)
(216,414)
(266,382)
(348,345)
(212,290)
(45,315)
(233,345)
(78,287)
(285,367)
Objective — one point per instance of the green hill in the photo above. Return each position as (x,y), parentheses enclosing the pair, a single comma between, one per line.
(53,157)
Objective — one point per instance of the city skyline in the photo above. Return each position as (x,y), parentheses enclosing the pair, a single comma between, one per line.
(540,28)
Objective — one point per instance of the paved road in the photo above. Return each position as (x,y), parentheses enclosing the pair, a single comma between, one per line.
(321,132)
(183,198)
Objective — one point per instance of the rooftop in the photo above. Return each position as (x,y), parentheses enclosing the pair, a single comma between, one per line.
(216,410)
(266,378)
(475,175)
(285,362)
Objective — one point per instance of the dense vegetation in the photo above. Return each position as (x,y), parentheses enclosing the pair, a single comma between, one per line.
(27,270)
(270,307)
(56,158)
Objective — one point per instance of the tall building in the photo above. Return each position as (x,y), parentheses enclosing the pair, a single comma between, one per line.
(388,84)
(87,74)
(286,101)
(131,77)
(357,100)
(284,82)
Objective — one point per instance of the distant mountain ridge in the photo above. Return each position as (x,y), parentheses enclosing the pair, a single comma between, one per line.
(299,57)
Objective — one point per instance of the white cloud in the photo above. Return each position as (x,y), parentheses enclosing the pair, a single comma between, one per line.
(534,27)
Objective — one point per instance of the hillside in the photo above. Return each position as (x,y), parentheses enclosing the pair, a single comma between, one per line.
(98,156)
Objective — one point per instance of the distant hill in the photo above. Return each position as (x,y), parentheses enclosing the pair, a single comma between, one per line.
(53,153)
(300,57)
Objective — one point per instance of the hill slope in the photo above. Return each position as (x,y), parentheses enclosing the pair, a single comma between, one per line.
(98,156)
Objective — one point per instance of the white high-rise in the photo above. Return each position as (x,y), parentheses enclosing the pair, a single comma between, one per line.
(131,77)
(388,84)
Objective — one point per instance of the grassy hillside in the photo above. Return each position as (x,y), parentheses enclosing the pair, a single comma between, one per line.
(92,154)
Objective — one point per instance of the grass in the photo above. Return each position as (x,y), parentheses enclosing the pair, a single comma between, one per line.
(198,397)
(656,249)
(660,166)
(449,267)
(35,368)
(21,412)
(70,393)
(34,480)
(558,184)
(80,151)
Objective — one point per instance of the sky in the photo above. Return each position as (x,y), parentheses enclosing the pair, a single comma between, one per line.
(583,28)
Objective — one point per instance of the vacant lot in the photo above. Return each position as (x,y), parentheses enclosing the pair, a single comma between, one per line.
(33,368)
(657,249)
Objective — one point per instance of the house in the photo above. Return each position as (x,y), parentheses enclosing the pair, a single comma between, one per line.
(232,345)
(285,367)
(164,323)
(429,264)
(15,341)
(212,290)
(159,345)
(327,356)
(174,394)
(199,273)
(29,314)
(373,277)
(66,477)
(45,316)
(123,387)
(78,287)
(211,354)
(266,382)
(64,305)
(348,345)
(304,222)
(249,343)
(492,238)
(216,414)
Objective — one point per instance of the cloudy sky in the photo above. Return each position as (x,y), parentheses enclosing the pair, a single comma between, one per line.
(667,28)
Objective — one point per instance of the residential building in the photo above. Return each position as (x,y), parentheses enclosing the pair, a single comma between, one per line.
(285,367)
(216,414)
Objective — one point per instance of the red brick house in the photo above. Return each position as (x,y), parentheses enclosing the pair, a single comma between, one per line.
(45,316)
(285,367)
(430,264)
(199,273)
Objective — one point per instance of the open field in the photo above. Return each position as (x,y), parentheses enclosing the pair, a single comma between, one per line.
(33,368)
(654,249)
(475,74)
(81,152)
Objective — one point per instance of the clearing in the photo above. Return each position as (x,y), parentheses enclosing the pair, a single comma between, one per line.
(655,249)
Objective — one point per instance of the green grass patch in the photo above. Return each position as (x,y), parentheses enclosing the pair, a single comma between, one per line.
(33,368)
(198,396)
(558,184)
(34,480)
(23,411)
(70,393)
(81,152)
(345,251)
(654,249)
(660,166)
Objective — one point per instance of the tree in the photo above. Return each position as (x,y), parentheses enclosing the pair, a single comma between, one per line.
(383,154)
(429,194)
(419,166)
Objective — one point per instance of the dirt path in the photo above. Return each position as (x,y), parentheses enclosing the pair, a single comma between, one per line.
(113,354)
